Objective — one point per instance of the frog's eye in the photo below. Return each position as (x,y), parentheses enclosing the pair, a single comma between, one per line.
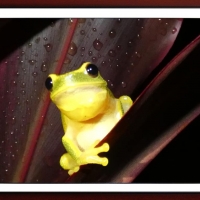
(92,70)
(49,83)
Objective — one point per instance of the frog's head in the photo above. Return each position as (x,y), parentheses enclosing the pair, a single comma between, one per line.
(80,94)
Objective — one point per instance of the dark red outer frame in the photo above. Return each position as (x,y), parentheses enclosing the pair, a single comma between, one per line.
(100,196)
(37,129)
(100,3)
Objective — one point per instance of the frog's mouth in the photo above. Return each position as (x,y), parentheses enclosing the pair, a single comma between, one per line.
(78,88)
(75,97)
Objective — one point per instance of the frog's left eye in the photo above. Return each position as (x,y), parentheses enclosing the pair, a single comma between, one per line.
(92,70)
(49,83)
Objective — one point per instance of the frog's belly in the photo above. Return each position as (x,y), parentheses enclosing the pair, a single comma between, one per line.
(91,133)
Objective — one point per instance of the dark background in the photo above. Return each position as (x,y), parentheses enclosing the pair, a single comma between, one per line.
(179,161)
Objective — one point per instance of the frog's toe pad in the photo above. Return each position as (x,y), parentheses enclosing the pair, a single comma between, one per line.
(106,147)
(104,161)
(71,171)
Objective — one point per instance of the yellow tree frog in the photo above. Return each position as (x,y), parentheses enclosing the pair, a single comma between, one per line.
(88,112)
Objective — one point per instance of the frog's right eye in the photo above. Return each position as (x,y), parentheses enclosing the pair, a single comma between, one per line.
(49,83)
(92,70)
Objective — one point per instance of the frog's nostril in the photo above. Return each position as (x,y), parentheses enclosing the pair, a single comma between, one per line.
(49,83)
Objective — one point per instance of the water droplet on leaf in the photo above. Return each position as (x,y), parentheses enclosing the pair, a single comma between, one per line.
(112,53)
(82,32)
(123,84)
(43,67)
(72,49)
(97,44)
(174,30)
(48,47)
(112,33)
(37,40)
(94,59)
(90,53)
(32,62)
(34,74)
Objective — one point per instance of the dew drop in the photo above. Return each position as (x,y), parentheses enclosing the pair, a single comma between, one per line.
(23,92)
(45,38)
(82,32)
(130,43)
(123,84)
(119,20)
(94,59)
(103,63)
(118,47)
(70,21)
(13,120)
(30,45)
(112,53)
(137,54)
(110,60)
(35,82)
(174,30)
(23,84)
(82,54)
(94,29)
(90,53)
(112,33)
(110,83)
(37,40)
(22,53)
(132,64)
(97,44)
(32,62)
(72,49)
(48,47)
(138,36)
(43,67)
(14,83)
(34,74)
(82,48)
(67,61)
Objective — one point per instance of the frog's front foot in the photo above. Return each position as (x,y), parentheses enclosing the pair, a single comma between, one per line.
(90,156)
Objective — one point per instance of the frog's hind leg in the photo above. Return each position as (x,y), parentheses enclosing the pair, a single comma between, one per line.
(68,163)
